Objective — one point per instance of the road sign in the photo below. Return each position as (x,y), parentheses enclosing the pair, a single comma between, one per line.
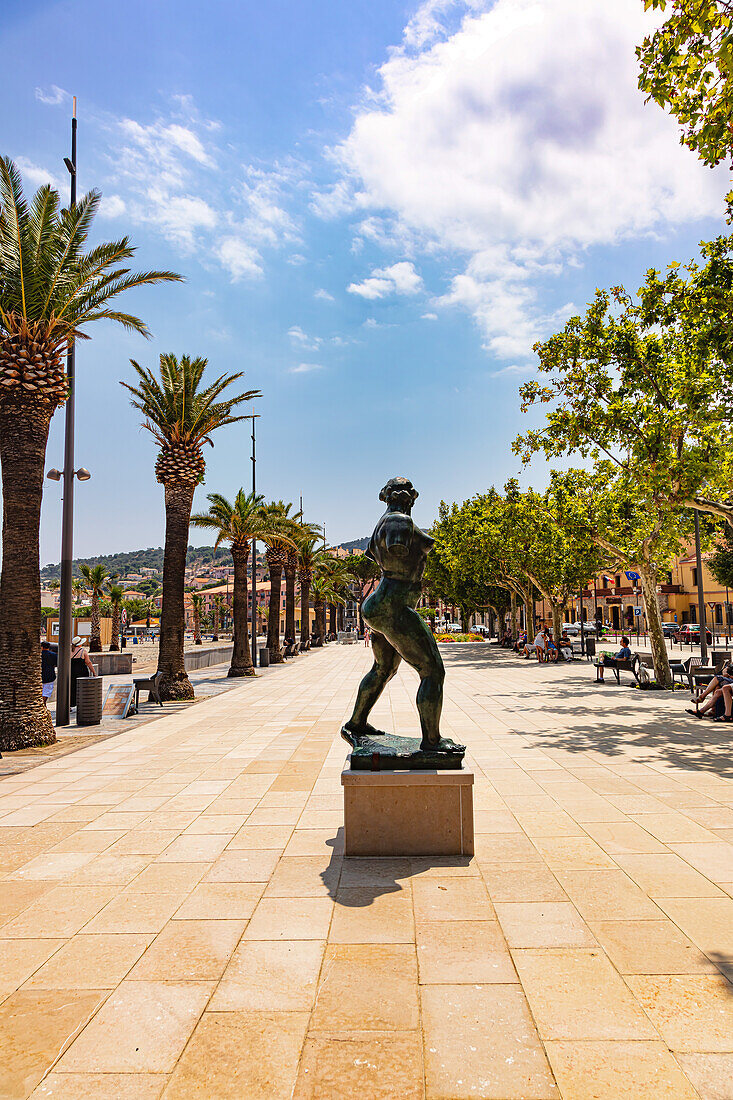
(637,611)
(712,606)
(632,576)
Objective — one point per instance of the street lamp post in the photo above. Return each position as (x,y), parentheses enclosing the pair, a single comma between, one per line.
(253,617)
(700,592)
(63,693)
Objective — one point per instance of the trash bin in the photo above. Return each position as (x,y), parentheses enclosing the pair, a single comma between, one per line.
(89,700)
(264,658)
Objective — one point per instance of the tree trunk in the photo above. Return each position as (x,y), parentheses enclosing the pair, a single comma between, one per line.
(241,650)
(332,618)
(556,621)
(513,610)
(197,627)
(305,617)
(215,623)
(529,617)
(464,621)
(95,638)
(175,683)
(662,671)
(320,623)
(114,644)
(273,615)
(24,721)
(290,604)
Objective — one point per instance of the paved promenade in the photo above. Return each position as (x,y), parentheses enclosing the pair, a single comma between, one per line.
(177,919)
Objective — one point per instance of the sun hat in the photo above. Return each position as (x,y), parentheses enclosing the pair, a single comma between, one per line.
(77,639)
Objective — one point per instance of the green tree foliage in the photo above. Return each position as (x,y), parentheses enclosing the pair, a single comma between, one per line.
(687,68)
(720,563)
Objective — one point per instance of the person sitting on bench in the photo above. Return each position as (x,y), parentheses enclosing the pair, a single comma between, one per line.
(624,654)
(720,685)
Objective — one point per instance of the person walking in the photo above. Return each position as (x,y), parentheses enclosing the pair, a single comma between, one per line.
(49,660)
(366,636)
(81,665)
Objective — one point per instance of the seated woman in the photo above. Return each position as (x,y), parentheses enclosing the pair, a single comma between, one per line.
(551,648)
(624,654)
(520,642)
(720,686)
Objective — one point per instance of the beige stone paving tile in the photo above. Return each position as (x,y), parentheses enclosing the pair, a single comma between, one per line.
(367,987)
(480,1041)
(624,837)
(667,876)
(459,952)
(295,800)
(35,1026)
(587,810)
(276,815)
(318,819)
(494,821)
(238,1055)
(674,828)
(221,901)
(312,842)
(53,866)
(59,913)
(243,866)
(17,896)
(543,924)
(712,817)
(96,1086)
(692,1012)
(714,859)
(174,878)
(374,871)
(90,962)
(577,994)
(380,1066)
(270,976)
(522,882)
(290,919)
(208,823)
(135,912)
(189,950)
(556,823)
(191,848)
(639,803)
(711,1074)
(142,1028)
(709,923)
(88,842)
(618,1071)
(78,813)
(257,837)
(110,869)
(607,895)
(566,853)
(650,947)
(440,867)
(304,876)
(116,821)
(373,914)
(21,958)
(531,804)
(143,842)
(164,821)
(451,899)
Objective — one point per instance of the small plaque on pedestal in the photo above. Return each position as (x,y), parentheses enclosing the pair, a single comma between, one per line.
(407,813)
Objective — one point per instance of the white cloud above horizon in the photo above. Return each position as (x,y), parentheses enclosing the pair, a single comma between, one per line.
(305,368)
(399,278)
(512,133)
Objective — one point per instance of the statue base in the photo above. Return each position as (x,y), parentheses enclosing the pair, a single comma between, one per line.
(389,752)
(407,813)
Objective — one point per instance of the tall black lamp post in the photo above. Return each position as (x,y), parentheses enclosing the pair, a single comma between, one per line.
(253,417)
(63,696)
(700,592)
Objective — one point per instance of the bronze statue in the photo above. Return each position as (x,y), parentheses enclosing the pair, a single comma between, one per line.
(401,549)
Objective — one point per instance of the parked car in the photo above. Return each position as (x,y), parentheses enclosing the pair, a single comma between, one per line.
(573,629)
(482,630)
(670,630)
(689,634)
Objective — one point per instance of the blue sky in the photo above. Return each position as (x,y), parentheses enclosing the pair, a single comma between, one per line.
(378,207)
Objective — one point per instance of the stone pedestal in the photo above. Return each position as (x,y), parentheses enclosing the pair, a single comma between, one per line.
(401,813)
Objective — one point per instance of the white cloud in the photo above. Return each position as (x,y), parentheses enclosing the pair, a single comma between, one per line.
(239,258)
(512,133)
(401,278)
(429,317)
(323,296)
(52,96)
(36,175)
(302,339)
(112,206)
(305,368)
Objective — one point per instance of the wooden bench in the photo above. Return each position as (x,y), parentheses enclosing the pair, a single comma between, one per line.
(617,667)
(291,649)
(150,684)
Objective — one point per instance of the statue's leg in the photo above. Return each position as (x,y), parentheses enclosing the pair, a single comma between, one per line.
(386,663)
(418,647)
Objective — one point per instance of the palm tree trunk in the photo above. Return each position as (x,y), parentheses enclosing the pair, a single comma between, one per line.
(24,721)
(332,618)
(273,616)
(95,640)
(305,614)
(289,604)
(320,621)
(197,627)
(175,683)
(241,651)
(114,644)
(215,626)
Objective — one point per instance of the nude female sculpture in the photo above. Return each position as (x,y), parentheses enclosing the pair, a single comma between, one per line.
(398,632)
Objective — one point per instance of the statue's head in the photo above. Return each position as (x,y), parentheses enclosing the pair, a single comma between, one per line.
(399,491)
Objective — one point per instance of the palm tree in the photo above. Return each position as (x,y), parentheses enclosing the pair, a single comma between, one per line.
(290,569)
(95,582)
(181,415)
(324,592)
(217,604)
(237,524)
(309,555)
(277,555)
(116,595)
(78,591)
(51,288)
(197,602)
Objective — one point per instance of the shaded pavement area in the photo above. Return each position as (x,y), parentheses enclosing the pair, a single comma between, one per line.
(177,918)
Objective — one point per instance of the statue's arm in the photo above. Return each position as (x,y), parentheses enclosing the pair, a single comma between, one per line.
(399,534)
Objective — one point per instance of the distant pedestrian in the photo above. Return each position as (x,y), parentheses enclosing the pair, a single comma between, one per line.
(49,660)
(81,665)
(366,636)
